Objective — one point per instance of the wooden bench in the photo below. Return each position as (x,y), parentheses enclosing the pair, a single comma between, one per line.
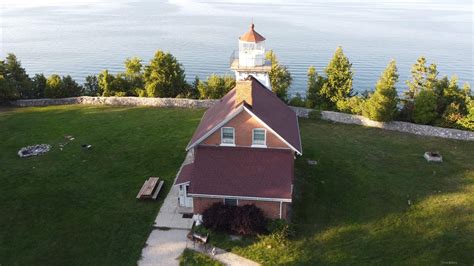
(150,188)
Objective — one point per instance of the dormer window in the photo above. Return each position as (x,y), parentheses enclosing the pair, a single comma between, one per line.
(228,136)
(259,138)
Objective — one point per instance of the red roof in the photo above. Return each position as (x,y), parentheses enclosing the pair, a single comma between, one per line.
(265,105)
(185,174)
(252,35)
(244,172)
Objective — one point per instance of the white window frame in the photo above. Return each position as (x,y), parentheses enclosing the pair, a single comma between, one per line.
(222,137)
(236,201)
(264,145)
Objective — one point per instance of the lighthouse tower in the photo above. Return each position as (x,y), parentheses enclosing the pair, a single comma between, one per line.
(250,59)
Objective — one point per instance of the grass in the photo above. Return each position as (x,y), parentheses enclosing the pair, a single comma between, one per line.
(78,207)
(190,257)
(353,207)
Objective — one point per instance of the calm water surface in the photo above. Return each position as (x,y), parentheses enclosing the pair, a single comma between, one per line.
(85,36)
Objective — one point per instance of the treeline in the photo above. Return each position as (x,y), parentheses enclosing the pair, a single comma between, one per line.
(429,99)
(163,76)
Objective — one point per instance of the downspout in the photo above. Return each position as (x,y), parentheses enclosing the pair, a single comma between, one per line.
(281,207)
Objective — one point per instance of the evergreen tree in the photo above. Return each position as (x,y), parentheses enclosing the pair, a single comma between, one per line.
(422,78)
(382,104)
(280,77)
(16,77)
(134,75)
(313,93)
(91,86)
(425,107)
(164,76)
(38,85)
(193,89)
(7,90)
(70,88)
(418,75)
(339,79)
(105,80)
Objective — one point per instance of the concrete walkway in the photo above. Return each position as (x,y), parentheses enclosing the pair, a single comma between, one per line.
(164,247)
(169,215)
(168,240)
(166,243)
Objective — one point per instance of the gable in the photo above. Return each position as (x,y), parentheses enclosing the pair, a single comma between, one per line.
(266,107)
(244,123)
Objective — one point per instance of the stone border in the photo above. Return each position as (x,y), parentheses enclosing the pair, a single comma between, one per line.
(422,130)
(405,127)
(120,101)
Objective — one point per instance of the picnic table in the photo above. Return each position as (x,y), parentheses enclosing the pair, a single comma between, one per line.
(150,188)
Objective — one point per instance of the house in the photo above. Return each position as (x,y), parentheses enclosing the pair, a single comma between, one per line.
(244,148)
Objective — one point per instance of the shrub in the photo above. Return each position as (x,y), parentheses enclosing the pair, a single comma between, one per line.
(248,220)
(425,107)
(451,115)
(297,101)
(352,105)
(140,92)
(244,220)
(279,230)
(315,114)
(218,217)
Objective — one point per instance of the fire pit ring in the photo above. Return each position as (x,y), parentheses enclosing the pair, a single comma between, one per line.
(34,150)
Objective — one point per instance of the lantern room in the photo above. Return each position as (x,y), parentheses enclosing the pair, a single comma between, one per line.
(250,58)
(251,48)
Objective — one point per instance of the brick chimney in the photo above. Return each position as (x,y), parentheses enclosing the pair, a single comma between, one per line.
(243,89)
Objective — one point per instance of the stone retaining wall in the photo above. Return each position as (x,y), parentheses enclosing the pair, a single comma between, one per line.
(121,101)
(301,112)
(406,127)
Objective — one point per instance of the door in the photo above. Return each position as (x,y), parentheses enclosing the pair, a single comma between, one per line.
(184,200)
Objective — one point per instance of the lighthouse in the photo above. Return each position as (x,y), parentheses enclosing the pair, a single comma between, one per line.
(250,58)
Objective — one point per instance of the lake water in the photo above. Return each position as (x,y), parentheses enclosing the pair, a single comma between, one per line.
(85,36)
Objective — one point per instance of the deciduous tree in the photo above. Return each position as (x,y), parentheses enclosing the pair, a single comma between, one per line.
(280,77)
(164,76)
(216,86)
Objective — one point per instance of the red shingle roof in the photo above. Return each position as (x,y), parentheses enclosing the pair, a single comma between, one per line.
(252,35)
(185,174)
(244,172)
(265,105)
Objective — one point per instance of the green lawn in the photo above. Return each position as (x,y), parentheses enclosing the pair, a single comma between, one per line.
(78,207)
(190,257)
(352,208)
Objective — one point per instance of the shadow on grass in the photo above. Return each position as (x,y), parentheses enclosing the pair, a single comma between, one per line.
(373,199)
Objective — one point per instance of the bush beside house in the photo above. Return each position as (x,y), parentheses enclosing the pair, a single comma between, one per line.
(242,220)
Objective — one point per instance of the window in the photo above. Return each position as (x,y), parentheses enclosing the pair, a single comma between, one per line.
(259,138)
(230,202)
(227,136)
